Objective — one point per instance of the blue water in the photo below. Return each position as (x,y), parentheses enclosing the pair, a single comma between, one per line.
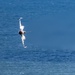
(50,26)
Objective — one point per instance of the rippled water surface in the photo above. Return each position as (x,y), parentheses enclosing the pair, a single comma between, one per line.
(50,37)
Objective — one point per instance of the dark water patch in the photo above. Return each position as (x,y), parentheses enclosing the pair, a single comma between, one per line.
(39,55)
